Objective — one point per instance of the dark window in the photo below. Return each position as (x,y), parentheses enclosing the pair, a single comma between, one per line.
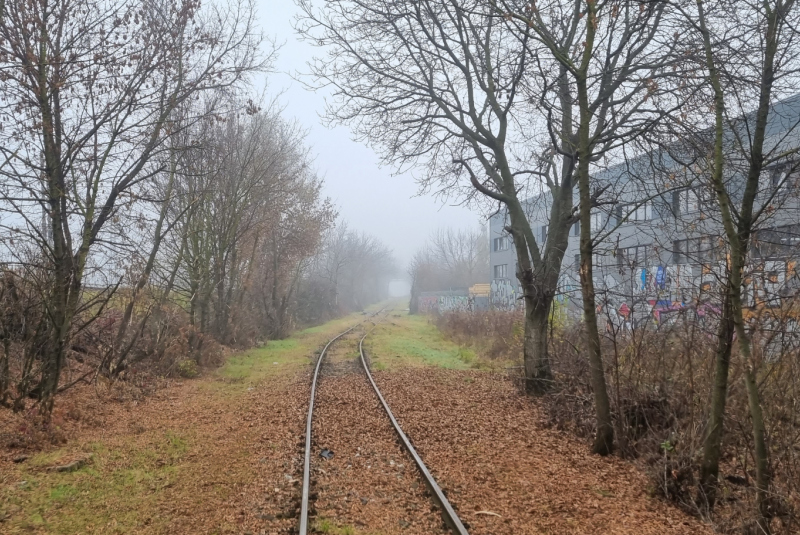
(679,252)
(780,242)
(577,262)
(501,271)
(708,249)
(501,244)
(576,228)
(781,180)
(705,249)
(543,236)
(641,212)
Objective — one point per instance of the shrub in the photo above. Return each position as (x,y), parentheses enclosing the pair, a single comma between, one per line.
(188,369)
(659,380)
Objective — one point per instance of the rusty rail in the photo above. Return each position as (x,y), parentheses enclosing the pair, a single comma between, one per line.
(307,461)
(448,513)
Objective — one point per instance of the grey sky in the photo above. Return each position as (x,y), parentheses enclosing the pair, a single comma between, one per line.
(369,198)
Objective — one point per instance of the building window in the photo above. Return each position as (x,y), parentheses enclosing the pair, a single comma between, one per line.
(501,244)
(635,256)
(780,242)
(543,234)
(642,212)
(688,201)
(576,228)
(577,262)
(701,250)
(679,252)
(501,271)
(596,221)
(688,251)
(782,180)
(708,250)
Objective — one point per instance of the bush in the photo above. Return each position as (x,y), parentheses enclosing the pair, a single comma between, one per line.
(187,369)
(659,380)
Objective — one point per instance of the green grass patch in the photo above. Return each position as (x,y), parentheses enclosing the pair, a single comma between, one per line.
(405,340)
(112,493)
(275,357)
(323,525)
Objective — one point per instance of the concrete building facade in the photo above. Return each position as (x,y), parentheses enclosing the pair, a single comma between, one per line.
(660,239)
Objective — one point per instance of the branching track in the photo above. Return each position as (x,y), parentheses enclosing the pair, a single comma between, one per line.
(448,513)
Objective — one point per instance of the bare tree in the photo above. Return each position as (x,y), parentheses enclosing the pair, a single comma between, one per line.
(606,59)
(351,271)
(440,85)
(450,259)
(464,255)
(747,55)
(90,91)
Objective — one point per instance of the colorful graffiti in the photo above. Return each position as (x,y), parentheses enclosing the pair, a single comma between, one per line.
(663,294)
(505,295)
(448,301)
(453,303)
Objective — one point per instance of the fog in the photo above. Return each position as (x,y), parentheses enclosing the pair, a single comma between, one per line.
(370,198)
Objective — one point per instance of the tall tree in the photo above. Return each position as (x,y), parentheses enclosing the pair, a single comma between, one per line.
(442,86)
(747,55)
(608,57)
(90,91)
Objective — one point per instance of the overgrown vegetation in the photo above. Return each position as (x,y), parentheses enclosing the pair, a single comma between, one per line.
(660,386)
(153,211)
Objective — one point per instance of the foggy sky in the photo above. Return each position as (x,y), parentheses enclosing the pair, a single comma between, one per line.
(368,197)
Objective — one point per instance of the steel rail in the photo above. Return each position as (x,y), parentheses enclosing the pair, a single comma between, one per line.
(448,513)
(307,461)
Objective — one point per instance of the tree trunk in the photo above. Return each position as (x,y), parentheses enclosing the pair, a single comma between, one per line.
(5,375)
(604,437)
(413,304)
(538,373)
(712,444)
(739,229)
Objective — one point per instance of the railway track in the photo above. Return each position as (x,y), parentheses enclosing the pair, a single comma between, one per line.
(449,515)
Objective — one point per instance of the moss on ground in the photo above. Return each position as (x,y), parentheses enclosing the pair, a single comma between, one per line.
(323,525)
(118,490)
(403,340)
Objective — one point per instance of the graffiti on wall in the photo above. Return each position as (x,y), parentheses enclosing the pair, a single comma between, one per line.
(446,301)
(661,294)
(475,298)
(505,295)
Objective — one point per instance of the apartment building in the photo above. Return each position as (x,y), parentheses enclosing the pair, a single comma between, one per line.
(660,245)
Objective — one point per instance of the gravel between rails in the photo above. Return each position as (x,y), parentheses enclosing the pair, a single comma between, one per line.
(371,483)
(506,473)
